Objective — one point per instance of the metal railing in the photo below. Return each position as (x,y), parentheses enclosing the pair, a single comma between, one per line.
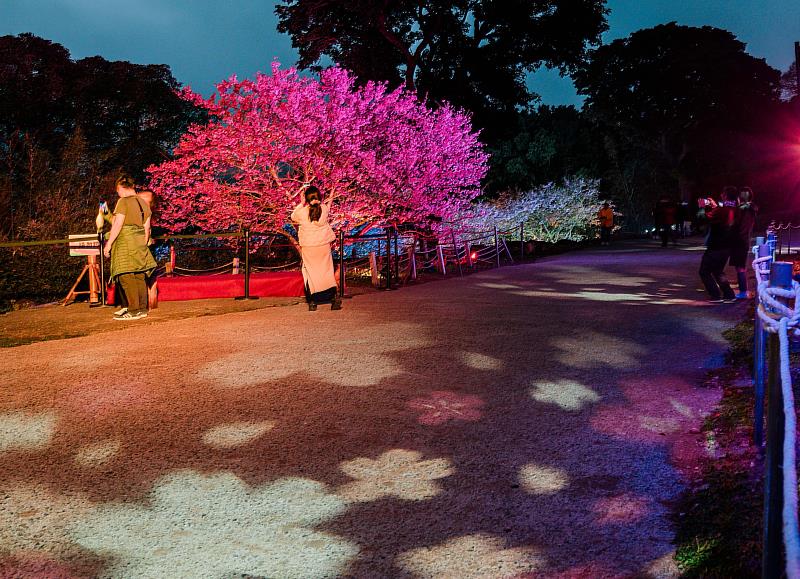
(776,321)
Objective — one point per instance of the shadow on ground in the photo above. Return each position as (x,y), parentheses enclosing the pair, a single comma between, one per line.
(528,421)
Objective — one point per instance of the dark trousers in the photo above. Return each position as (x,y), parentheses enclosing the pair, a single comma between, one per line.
(135,288)
(712,272)
(605,235)
(667,233)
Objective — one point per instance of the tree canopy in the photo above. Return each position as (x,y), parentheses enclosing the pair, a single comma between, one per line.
(473,53)
(382,155)
(674,104)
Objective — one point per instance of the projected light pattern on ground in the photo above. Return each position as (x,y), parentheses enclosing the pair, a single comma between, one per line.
(24,431)
(216,526)
(410,436)
(397,473)
(443,406)
(566,394)
(471,557)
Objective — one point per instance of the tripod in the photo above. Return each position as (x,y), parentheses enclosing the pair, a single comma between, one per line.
(92,268)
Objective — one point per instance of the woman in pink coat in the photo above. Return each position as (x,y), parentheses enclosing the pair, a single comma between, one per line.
(315,236)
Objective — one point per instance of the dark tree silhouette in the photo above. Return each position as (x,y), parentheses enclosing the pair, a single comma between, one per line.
(473,53)
(678,99)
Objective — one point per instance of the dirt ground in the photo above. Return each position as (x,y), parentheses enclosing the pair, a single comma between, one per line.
(531,421)
(55,322)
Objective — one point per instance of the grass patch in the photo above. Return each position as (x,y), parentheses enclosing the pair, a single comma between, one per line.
(718,518)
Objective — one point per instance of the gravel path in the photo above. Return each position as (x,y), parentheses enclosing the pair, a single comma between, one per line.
(523,422)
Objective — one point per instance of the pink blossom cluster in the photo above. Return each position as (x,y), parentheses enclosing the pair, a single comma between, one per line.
(383,155)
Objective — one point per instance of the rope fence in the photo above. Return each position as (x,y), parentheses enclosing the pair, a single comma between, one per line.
(390,255)
(777,320)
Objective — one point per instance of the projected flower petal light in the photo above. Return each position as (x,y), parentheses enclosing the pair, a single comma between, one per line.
(34,521)
(216,526)
(98,453)
(583,352)
(236,433)
(621,509)
(396,473)
(481,361)
(473,556)
(565,394)
(442,406)
(24,431)
(542,480)
(249,367)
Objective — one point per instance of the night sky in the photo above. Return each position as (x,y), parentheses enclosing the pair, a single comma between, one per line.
(205,41)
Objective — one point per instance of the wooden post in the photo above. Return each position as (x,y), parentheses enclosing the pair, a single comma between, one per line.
(373,268)
(468,259)
(442,266)
(412,263)
(456,254)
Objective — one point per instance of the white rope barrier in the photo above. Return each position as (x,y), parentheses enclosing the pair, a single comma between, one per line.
(778,318)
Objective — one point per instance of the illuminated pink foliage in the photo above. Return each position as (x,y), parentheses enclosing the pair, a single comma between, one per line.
(383,155)
(442,406)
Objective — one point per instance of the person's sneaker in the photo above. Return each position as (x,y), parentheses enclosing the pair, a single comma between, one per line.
(729,300)
(121,311)
(742,296)
(312,306)
(141,315)
(127,316)
(716,301)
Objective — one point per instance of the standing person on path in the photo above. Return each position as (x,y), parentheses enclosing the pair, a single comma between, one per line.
(741,244)
(315,236)
(606,218)
(666,213)
(119,294)
(127,243)
(721,221)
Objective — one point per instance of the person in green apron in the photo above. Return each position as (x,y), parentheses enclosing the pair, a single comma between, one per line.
(131,260)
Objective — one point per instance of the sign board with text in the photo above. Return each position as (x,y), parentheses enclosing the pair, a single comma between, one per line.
(83,245)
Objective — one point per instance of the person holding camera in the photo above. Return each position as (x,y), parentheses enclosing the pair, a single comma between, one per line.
(315,236)
(741,242)
(721,222)
(127,246)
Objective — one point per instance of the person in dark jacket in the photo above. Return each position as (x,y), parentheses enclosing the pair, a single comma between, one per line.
(721,220)
(666,213)
(740,242)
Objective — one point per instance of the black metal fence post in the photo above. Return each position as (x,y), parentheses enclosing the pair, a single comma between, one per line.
(247,295)
(521,241)
(388,259)
(496,247)
(102,268)
(396,255)
(759,358)
(342,272)
(780,276)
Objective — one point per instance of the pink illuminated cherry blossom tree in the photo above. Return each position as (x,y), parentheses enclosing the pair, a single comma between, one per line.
(383,155)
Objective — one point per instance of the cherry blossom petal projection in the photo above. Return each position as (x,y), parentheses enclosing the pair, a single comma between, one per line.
(217,526)
(397,473)
(444,406)
(470,557)
(566,394)
(24,431)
